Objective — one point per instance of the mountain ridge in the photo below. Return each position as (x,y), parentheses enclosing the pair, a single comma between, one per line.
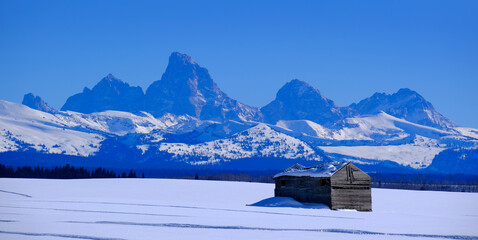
(406,104)
(110,93)
(135,138)
(184,119)
(187,88)
(298,100)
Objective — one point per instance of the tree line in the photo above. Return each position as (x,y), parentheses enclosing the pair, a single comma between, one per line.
(63,172)
(452,182)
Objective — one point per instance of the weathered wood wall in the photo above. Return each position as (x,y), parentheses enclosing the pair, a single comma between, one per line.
(351,189)
(304,189)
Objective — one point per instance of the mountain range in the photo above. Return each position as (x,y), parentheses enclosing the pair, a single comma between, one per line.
(184,89)
(185,120)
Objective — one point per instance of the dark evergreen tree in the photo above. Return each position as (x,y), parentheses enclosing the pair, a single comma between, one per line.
(132,174)
(64,172)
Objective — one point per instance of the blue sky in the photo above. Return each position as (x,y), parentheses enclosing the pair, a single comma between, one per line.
(346,49)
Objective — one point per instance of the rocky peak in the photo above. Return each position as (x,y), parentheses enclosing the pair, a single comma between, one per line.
(187,88)
(36,102)
(110,93)
(112,84)
(177,58)
(296,89)
(406,91)
(406,104)
(110,77)
(297,100)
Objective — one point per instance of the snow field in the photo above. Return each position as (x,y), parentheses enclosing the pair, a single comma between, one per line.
(193,209)
(406,154)
(259,140)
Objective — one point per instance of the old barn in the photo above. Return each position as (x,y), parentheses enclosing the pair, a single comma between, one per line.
(340,185)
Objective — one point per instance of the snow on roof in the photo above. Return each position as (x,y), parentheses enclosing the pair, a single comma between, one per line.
(322,170)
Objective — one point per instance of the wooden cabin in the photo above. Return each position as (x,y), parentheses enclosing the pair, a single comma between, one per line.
(340,185)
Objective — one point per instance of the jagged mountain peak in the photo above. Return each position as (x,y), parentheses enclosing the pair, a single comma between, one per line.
(110,78)
(183,71)
(406,91)
(36,102)
(297,89)
(406,104)
(111,83)
(180,58)
(296,85)
(402,92)
(187,88)
(408,94)
(298,82)
(297,100)
(110,93)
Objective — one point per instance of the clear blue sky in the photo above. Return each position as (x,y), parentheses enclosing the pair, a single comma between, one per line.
(346,49)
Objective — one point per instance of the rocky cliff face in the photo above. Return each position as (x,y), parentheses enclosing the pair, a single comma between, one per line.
(109,94)
(187,88)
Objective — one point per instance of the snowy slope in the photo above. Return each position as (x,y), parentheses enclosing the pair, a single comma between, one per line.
(468,132)
(21,126)
(406,155)
(259,140)
(143,209)
(381,126)
(367,138)
(114,122)
(406,104)
(382,137)
(73,133)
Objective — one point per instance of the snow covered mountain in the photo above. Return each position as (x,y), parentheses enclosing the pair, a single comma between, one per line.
(370,140)
(257,141)
(184,89)
(73,133)
(185,120)
(406,104)
(23,128)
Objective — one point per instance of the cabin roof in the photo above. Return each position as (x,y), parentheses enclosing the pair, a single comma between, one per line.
(322,170)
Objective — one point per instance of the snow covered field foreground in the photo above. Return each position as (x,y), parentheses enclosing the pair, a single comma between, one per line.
(114,209)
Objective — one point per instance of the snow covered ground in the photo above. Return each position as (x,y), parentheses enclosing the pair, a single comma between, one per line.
(406,154)
(144,209)
(259,140)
